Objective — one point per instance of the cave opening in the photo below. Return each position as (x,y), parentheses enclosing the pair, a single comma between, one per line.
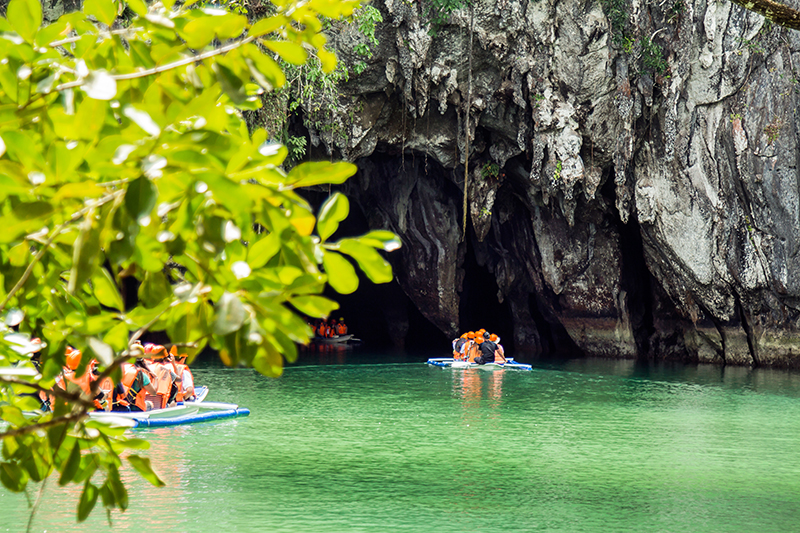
(635,278)
(479,307)
(381,315)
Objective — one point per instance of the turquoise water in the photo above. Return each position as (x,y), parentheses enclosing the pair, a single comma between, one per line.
(346,443)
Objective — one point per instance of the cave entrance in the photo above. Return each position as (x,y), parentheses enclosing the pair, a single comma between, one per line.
(479,307)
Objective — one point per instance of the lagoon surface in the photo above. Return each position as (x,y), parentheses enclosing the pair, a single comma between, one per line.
(377,443)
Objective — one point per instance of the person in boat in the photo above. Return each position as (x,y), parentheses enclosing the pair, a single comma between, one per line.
(342,327)
(486,348)
(499,352)
(458,346)
(138,382)
(167,381)
(85,381)
(187,379)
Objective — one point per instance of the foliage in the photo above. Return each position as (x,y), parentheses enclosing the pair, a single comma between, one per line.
(490,170)
(617,13)
(438,12)
(124,156)
(653,56)
(773,130)
(557,172)
(366,18)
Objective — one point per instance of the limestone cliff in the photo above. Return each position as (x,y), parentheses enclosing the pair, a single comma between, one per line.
(637,191)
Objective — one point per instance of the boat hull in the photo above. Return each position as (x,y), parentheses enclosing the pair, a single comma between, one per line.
(185,413)
(449,362)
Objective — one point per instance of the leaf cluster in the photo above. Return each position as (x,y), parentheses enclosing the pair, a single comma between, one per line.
(125,161)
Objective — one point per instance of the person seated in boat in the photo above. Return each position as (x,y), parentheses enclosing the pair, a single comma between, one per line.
(138,382)
(323,329)
(187,379)
(84,381)
(167,381)
(499,352)
(471,347)
(458,345)
(334,328)
(486,348)
(342,327)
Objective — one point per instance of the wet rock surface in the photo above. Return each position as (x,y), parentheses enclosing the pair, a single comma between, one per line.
(640,209)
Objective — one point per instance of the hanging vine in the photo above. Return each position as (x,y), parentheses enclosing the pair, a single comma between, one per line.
(466,125)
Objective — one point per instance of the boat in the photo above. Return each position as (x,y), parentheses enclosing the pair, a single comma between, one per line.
(449,362)
(188,412)
(336,339)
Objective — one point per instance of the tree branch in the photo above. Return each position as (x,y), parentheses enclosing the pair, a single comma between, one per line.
(778,13)
(58,393)
(72,417)
(164,68)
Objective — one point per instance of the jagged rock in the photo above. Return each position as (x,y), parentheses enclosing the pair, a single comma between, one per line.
(683,243)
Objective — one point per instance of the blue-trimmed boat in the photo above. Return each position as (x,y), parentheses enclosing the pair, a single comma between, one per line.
(188,412)
(449,362)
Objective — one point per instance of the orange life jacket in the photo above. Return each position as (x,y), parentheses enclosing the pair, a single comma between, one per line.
(162,382)
(342,329)
(472,351)
(84,382)
(321,330)
(129,374)
(499,355)
(182,370)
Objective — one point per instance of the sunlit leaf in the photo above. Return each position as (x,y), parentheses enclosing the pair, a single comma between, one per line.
(87,501)
(25,17)
(341,274)
(334,210)
(320,172)
(314,306)
(140,198)
(143,466)
(229,314)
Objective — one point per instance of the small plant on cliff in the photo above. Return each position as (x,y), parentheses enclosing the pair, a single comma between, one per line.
(438,12)
(490,170)
(653,56)
(617,13)
(773,130)
(366,18)
(557,172)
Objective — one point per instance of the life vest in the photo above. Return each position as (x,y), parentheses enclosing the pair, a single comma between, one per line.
(162,372)
(341,329)
(499,355)
(129,374)
(321,330)
(188,390)
(472,351)
(84,382)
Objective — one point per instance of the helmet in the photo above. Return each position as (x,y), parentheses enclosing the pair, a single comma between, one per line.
(73,358)
(155,351)
(471,335)
(494,338)
(479,340)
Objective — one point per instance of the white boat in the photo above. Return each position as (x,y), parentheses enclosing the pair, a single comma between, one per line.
(189,412)
(449,362)
(336,339)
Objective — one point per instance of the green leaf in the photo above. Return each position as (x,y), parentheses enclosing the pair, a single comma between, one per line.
(231,84)
(71,466)
(267,25)
(84,254)
(314,306)
(320,172)
(327,60)
(229,314)
(263,250)
(268,361)
(102,351)
(137,6)
(381,239)
(13,477)
(334,210)
(105,290)
(87,501)
(142,465)
(117,337)
(374,266)
(290,52)
(140,198)
(104,11)
(25,16)
(341,274)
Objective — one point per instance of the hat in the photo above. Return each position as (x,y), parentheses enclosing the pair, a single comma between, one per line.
(73,358)
(471,335)
(494,338)
(479,340)
(485,334)
(155,351)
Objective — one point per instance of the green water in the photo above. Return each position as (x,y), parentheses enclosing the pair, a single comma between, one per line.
(592,446)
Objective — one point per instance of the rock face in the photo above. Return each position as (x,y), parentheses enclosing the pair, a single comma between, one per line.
(632,193)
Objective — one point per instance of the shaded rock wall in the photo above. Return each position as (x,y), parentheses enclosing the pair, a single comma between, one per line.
(641,212)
